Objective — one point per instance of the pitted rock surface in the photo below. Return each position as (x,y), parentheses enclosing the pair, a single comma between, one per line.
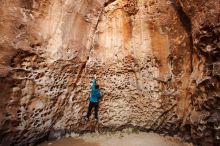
(157,63)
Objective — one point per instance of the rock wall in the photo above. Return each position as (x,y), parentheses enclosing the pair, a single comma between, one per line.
(201,121)
(44,46)
(156,63)
(127,70)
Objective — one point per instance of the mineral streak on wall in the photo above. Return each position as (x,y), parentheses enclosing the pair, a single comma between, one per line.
(157,63)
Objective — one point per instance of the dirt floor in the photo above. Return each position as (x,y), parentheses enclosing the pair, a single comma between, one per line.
(118,139)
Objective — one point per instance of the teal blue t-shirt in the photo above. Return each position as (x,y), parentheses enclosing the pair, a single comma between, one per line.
(95,93)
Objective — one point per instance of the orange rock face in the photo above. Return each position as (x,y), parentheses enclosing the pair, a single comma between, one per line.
(157,64)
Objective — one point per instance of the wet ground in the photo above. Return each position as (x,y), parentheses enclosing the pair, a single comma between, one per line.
(118,139)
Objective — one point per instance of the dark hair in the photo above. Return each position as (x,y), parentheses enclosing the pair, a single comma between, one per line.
(96,86)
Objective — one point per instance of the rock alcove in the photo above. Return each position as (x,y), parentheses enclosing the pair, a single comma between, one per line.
(157,63)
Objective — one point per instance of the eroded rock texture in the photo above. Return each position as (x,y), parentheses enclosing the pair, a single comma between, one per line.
(45,45)
(157,64)
(202,118)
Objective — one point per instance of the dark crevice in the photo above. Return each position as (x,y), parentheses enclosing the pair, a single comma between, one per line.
(108,2)
(187,25)
(43,138)
(163,115)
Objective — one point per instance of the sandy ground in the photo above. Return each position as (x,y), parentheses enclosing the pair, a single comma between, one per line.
(118,139)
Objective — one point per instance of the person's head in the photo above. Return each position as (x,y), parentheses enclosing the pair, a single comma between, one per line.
(96,86)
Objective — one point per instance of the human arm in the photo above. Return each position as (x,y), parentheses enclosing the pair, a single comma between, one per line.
(93,84)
